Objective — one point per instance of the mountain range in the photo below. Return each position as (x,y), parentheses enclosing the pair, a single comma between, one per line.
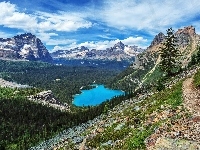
(28,47)
(118,52)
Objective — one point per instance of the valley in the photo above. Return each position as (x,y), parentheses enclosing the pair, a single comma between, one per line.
(155,108)
(41,105)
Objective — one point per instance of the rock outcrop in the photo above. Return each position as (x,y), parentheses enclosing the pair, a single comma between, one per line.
(157,39)
(187,30)
(47,98)
(25,46)
(185,36)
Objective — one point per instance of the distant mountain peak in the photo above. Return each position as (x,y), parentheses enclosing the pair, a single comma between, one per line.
(118,52)
(24,46)
(119,45)
(157,39)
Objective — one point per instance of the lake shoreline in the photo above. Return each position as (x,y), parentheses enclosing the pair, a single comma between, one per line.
(95,96)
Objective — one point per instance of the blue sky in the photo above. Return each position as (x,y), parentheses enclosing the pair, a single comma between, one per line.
(65,24)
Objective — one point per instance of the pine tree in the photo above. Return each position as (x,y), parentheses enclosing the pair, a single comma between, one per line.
(169,53)
(198,55)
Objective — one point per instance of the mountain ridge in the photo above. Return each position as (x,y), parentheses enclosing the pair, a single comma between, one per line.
(25,46)
(118,52)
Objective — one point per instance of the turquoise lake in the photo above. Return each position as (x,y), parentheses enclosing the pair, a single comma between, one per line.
(95,96)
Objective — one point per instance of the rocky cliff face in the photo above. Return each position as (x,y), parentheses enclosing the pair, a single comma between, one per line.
(185,36)
(156,43)
(187,30)
(157,39)
(187,42)
(118,52)
(24,46)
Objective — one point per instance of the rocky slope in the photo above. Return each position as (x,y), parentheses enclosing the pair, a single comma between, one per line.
(184,132)
(187,42)
(157,40)
(118,52)
(25,46)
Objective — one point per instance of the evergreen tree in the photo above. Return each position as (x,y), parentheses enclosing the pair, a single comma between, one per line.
(198,55)
(193,61)
(169,53)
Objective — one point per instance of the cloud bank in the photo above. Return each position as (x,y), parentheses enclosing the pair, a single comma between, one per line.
(12,17)
(67,25)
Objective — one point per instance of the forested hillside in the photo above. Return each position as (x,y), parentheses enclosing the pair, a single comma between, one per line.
(64,81)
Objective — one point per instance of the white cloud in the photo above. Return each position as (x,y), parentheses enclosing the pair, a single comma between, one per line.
(59,42)
(132,14)
(49,40)
(62,21)
(102,45)
(11,17)
(139,41)
(148,14)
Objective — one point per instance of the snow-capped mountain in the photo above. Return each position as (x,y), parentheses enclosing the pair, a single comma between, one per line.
(24,46)
(118,52)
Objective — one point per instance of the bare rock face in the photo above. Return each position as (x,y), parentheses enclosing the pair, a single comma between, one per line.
(47,98)
(185,35)
(24,46)
(186,41)
(187,30)
(156,43)
(157,39)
